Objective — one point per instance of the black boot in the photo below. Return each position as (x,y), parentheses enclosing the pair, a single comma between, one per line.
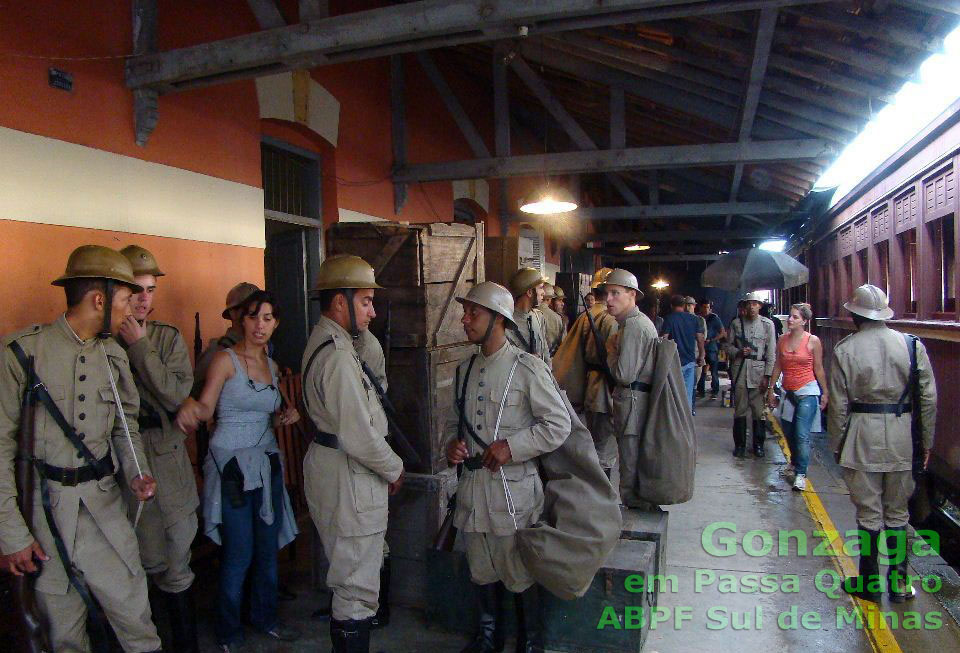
(759,437)
(489,637)
(350,636)
(529,621)
(899,587)
(382,618)
(740,437)
(183,621)
(867,584)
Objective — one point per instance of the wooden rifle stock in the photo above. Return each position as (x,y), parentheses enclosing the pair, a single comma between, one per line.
(447,534)
(32,624)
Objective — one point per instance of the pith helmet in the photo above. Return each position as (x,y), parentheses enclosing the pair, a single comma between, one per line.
(870,302)
(345,271)
(237,295)
(524,279)
(689,299)
(142,261)
(98,262)
(600,277)
(492,296)
(621,277)
(548,291)
(755,296)
(558,293)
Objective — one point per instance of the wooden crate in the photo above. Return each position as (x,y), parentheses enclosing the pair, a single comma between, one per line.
(501,255)
(416,514)
(422,390)
(569,625)
(423,268)
(648,527)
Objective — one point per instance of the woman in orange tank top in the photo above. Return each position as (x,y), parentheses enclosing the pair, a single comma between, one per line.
(800,359)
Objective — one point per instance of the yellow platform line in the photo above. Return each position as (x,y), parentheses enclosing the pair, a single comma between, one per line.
(881,637)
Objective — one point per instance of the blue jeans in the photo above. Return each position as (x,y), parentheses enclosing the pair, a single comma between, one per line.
(689,378)
(797,432)
(713,361)
(248,541)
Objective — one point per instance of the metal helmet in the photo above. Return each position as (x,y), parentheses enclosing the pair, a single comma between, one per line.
(621,277)
(524,279)
(754,296)
(600,277)
(870,302)
(689,299)
(98,262)
(345,271)
(548,291)
(142,260)
(492,296)
(237,295)
(558,293)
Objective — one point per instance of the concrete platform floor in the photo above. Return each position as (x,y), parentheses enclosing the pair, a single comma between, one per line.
(748,495)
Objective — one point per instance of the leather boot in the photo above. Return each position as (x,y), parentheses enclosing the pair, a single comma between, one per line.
(382,617)
(867,584)
(759,437)
(529,621)
(489,637)
(183,621)
(899,587)
(740,437)
(350,636)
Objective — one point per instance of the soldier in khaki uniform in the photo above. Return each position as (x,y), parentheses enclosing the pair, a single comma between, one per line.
(552,322)
(630,354)
(869,421)
(349,469)
(234,334)
(558,304)
(161,369)
(752,351)
(528,331)
(514,413)
(71,359)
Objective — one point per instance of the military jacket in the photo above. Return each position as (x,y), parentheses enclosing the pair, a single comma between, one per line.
(341,401)
(75,374)
(598,396)
(630,355)
(534,421)
(530,335)
(553,327)
(873,366)
(164,378)
(762,338)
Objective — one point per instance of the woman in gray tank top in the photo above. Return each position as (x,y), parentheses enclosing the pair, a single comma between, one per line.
(246,508)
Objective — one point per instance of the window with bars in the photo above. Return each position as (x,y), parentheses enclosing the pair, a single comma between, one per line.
(908,246)
(291,182)
(944,263)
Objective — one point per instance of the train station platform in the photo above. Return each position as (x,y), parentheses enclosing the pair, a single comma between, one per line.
(718,592)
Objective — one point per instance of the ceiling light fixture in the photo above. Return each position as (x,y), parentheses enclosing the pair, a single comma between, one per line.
(660,284)
(549,201)
(636,248)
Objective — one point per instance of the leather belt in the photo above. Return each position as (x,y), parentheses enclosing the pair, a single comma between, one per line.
(72,476)
(328,440)
(639,386)
(880,409)
(149,422)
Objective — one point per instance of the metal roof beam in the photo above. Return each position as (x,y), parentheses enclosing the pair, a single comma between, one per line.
(638,158)
(676,236)
(453,105)
(661,258)
(682,210)
(866,27)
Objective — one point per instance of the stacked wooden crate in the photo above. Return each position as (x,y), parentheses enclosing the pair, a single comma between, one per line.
(423,269)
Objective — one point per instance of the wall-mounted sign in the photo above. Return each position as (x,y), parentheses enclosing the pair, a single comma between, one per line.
(60,79)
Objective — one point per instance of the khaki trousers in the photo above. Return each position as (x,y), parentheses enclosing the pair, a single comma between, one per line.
(495,557)
(123,596)
(748,402)
(354,573)
(165,548)
(881,498)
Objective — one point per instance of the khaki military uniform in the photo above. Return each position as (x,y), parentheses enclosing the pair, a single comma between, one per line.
(168,525)
(553,327)
(346,488)
(630,355)
(226,341)
(748,397)
(872,366)
(534,421)
(530,335)
(91,515)
(598,396)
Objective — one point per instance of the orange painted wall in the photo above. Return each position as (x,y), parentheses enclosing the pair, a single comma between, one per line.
(198,275)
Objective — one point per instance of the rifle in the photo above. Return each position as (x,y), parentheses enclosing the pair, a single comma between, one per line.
(916,426)
(387,337)
(601,350)
(201,435)
(406,450)
(447,534)
(32,624)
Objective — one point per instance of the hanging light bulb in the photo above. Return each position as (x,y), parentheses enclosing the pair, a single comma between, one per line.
(660,284)
(548,201)
(636,248)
